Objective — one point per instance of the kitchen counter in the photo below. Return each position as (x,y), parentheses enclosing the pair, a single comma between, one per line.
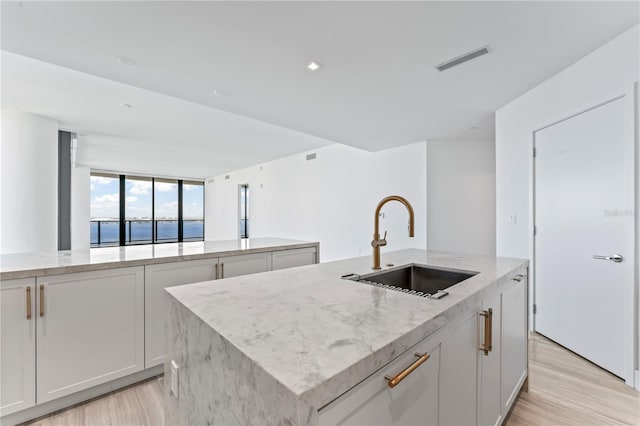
(276,347)
(53,263)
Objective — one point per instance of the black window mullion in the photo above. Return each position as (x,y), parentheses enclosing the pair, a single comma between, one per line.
(123,193)
(153,211)
(180,215)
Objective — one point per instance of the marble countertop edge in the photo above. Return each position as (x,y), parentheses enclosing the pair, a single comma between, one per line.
(115,257)
(319,386)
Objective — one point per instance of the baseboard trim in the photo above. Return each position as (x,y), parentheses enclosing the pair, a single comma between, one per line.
(51,407)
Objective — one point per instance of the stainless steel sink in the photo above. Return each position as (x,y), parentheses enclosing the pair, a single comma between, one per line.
(415,279)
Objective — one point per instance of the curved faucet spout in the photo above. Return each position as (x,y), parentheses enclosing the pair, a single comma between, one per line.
(377,241)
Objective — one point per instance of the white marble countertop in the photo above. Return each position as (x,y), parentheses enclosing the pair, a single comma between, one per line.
(25,265)
(317,334)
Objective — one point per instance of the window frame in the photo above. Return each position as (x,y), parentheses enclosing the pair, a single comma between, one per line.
(122,220)
(245,187)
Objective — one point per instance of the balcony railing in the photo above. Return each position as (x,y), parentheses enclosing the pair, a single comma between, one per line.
(244,228)
(144,231)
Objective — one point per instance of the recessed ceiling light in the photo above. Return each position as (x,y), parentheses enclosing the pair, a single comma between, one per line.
(126,105)
(219,92)
(127,62)
(314,66)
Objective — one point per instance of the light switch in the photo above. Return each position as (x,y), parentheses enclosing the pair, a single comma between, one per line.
(174,378)
(513,219)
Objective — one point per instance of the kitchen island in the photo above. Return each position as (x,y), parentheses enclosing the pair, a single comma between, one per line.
(81,323)
(304,346)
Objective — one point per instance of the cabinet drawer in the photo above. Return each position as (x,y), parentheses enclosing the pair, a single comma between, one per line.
(413,401)
(297,257)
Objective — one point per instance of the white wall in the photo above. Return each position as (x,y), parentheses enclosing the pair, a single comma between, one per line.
(601,75)
(331,199)
(607,72)
(29,174)
(80,207)
(461,195)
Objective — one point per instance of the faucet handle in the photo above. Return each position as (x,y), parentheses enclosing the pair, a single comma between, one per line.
(377,241)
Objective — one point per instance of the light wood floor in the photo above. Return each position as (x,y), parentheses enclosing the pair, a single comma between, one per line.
(564,389)
(140,405)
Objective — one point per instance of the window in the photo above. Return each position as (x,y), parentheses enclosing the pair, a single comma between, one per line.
(244,211)
(105,210)
(138,210)
(193,210)
(165,194)
(144,210)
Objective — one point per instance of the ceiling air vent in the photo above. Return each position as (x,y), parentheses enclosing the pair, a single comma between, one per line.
(311,156)
(463,58)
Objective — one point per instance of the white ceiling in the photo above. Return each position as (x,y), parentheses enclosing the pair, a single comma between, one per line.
(377,89)
(160,135)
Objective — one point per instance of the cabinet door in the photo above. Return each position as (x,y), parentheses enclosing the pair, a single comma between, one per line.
(18,345)
(233,266)
(459,373)
(297,257)
(413,401)
(490,365)
(90,329)
(514,341)
(156,279)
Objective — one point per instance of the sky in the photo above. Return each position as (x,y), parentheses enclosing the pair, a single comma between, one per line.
(105,199)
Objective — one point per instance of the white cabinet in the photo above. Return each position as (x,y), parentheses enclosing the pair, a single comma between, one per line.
(297,257)
(233,266)
(514,340)
(413,401)
(157,278)
(459,372)
(18,345)
(482,364)
(491,361)
(90,329)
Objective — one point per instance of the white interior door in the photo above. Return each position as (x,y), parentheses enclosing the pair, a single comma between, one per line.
(584,207)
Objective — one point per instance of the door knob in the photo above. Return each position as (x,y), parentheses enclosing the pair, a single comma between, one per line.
(616,258)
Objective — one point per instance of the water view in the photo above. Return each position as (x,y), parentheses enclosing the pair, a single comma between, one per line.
(145,198)
(141,231)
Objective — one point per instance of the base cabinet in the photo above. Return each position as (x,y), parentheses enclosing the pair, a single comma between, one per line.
(297,257)
(514,340)
(234,266)
(490,412)
(480,367)
(18,345)
(413,401)
(157,278)
(459,373)
(90,329)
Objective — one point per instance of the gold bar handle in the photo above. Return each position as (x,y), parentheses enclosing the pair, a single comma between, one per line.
(28,302)
(41,300)
(222,270)
(393,381)
(487,345)
(217,271)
